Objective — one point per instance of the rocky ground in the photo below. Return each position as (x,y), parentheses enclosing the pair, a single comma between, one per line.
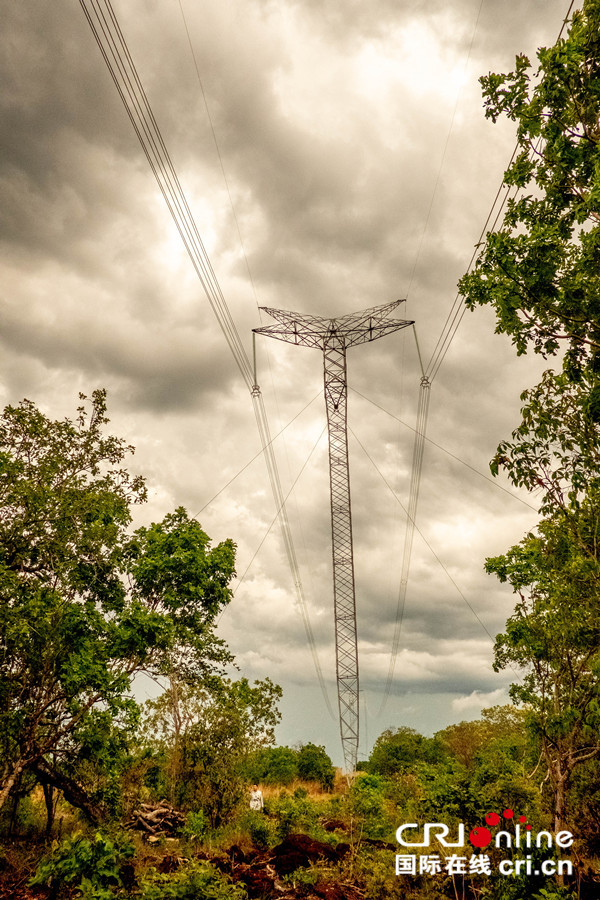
(261,872)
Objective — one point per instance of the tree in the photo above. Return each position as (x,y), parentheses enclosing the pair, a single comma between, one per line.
(273,765)
(504,761)
(207,731)
(315,765)
(554,636)
(539,270)
(177,578)
(84,606)
(397,749)
(464,740)
(555,451)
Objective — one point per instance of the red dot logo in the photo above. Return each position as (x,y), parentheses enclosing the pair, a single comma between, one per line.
(508,814)
(522,819)
(492,819)
(480,836)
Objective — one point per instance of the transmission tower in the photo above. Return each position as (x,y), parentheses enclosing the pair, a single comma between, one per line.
(334,337)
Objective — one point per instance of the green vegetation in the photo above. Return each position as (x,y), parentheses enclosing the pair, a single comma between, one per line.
(539,271)
(284,765)
(85,606)
(202,734)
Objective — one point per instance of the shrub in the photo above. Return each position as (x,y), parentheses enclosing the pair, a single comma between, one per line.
(293,812)
(315,765)
(198,881)
(195,826)
(259,829)
(89,865)
(367,804)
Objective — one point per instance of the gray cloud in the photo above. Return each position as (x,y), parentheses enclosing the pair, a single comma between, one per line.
(361,170)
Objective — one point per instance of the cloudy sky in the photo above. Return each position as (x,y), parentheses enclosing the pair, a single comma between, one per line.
(359,169)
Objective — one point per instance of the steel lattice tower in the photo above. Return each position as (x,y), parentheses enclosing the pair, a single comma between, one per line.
(334,337)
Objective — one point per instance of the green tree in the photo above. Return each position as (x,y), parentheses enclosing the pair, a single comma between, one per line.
(554,636)
(273,765)
(314,764)
(207,732)
(505,762)
(539,269)
(446,792)
(79,613)
(397,749)
(464,740)
(555,451)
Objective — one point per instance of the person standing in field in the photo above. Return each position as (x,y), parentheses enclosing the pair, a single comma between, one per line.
(256,798)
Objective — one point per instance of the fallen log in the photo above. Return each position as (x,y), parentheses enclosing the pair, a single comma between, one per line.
(156,819)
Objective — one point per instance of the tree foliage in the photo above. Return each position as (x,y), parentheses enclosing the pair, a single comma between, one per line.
(539,269)
(397,749)
(554,636)
(283,765)
(206,732)
(273,765)
(84,605)
(314,764)
(555,451)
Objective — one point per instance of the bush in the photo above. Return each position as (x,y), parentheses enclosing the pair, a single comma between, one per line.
(315,765)
(198,881)
(294,812)
(195,826)
(259,829)
(367,804)
(90,866)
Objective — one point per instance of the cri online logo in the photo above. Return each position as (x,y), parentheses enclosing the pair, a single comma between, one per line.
(481,837)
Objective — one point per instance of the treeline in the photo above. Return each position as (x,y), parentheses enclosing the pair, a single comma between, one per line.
(487,765)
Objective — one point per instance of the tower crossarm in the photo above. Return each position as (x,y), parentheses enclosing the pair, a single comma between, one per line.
(293,332)
(317,331)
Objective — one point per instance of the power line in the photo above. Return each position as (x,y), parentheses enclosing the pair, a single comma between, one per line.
(255,457)
(113,46)
(423,538)
(303,607)
(117,57)
(415,483)
(458,308)
(463,462)
(451,325)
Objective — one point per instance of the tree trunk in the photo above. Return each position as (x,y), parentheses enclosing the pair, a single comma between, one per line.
(560,777)
(49,801)
(559,803)
(16,800)
(10,782)
(72,791)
